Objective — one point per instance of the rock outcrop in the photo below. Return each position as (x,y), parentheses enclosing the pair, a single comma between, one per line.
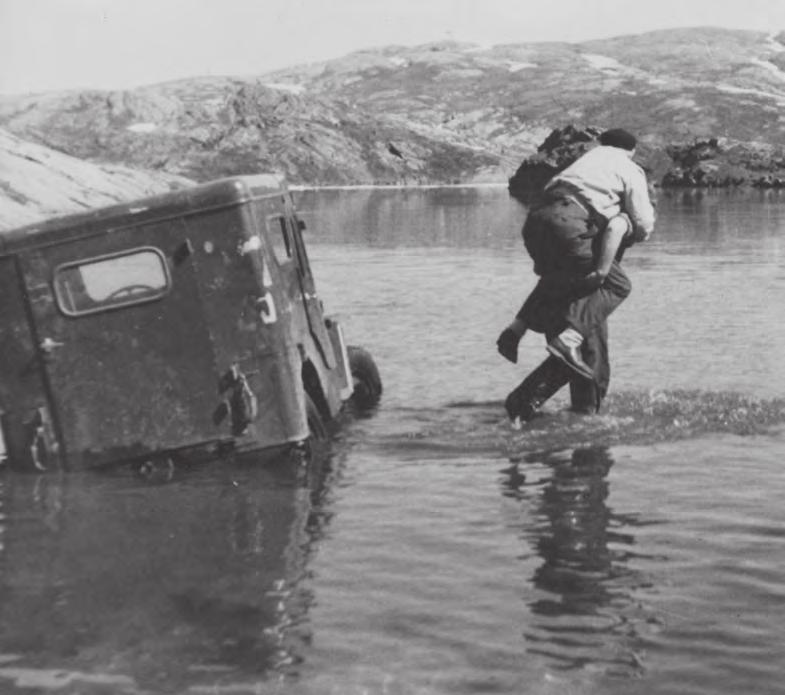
(706,163)
(445,112)
(722,163)
(37,182)
(560,149)
(209,128)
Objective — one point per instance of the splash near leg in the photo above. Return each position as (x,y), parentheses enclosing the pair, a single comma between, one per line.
(542,383)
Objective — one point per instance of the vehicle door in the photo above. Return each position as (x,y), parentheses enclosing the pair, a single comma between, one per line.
(27,434)
(123,342)
(313,304)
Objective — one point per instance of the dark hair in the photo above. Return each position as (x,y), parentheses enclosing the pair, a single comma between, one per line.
(618,137)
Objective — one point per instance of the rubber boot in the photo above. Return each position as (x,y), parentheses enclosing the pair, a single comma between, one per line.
(524,401)
(584,396)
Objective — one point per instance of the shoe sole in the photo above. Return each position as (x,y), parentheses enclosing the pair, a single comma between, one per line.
(558,355)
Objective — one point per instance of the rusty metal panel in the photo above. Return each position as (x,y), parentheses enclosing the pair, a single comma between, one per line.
(171,322)
(244,307)
(312,304)
(215,195)
(28,431)
(130,380)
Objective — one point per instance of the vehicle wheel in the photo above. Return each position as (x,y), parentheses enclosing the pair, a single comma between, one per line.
(367,382)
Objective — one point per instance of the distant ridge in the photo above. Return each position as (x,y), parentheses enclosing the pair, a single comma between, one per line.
(443,112)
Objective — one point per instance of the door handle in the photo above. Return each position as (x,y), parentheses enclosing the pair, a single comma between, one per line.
(47,345)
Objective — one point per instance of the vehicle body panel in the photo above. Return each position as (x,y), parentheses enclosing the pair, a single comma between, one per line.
(184,320)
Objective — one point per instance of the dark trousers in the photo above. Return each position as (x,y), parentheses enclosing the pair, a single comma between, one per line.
(551,375)
(560,236)
(558,302)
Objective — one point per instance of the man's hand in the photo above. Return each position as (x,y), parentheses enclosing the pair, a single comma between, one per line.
(507,345)
(591,282)
(639,235)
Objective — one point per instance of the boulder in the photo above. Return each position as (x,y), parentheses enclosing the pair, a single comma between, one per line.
(560,149)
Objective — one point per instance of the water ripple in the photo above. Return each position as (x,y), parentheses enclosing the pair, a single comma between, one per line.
(631,417)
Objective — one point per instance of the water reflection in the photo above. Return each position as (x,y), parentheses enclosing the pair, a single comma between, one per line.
(706,220)
(464,217)
(455,217)
(584,611)
(200,581)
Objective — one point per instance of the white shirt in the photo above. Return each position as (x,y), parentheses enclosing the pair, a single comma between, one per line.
(608,180)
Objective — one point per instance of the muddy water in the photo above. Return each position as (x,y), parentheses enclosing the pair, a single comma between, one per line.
(438,551)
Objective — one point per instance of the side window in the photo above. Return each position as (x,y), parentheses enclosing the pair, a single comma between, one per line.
(107,282)
(280,238)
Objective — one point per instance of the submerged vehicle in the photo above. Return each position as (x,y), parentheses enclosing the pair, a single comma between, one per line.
(187,321)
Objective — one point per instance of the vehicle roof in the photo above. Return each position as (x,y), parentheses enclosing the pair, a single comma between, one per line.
(187,201)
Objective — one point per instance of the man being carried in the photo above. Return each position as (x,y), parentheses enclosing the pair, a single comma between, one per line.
(575,234)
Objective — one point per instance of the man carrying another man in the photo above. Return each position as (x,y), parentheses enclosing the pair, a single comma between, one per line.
(575,235)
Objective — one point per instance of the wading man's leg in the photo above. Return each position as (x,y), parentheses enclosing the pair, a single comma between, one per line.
(597,295)
(586,395)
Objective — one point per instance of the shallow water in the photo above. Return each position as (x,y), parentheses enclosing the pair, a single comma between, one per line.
(637,551)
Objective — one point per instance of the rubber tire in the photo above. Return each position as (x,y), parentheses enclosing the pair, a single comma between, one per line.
(367,382)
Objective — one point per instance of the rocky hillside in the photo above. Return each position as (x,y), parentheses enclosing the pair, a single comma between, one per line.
(207,128)
(36,183)
(444,112)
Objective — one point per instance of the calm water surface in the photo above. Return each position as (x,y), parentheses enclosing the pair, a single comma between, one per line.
(438,551)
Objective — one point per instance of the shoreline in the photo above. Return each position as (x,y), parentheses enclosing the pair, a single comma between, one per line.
(428,186)
(392,186)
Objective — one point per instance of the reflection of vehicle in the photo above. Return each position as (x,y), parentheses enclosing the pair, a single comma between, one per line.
(112,585)
(181,321)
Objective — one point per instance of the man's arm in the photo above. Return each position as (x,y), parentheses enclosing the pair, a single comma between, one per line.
(637,204)
(616,231)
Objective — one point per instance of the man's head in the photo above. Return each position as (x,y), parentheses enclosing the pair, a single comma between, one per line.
(618,137)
